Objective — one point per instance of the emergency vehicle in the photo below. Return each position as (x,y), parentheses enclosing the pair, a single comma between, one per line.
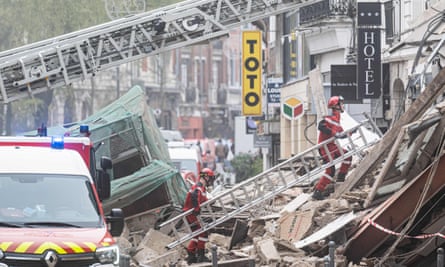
(50,206)
(82,145)
(187,160)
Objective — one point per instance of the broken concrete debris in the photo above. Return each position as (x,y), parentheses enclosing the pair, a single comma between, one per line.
(291,229)
(267,240)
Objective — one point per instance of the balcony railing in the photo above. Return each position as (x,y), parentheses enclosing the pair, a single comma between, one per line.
(326,9)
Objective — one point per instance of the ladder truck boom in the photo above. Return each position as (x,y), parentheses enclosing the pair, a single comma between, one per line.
(62,60)
(68,37)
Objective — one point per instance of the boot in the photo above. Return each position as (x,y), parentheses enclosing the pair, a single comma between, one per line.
(191,258)
(341,177)
(330,188)
(318,195)
(202,257)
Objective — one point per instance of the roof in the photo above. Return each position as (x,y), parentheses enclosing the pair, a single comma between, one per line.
(172,135)
(183,153)
(21,159)
(43,139)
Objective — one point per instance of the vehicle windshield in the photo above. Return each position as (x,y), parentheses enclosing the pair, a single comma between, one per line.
(42,200)
(185,164)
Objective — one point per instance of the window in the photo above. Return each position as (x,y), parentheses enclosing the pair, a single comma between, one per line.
(215,72)
(389,21)
(184,81)
(48,199)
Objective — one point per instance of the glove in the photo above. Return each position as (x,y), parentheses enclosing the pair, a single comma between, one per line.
(340,135)
(196,212)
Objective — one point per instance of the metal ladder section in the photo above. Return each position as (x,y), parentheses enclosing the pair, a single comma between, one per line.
(256,190)
(76,56)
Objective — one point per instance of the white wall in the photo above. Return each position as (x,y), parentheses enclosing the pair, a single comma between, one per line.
(243,141)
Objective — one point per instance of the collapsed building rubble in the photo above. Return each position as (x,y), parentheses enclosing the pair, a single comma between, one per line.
(365,217)
(145,184)
(389,210)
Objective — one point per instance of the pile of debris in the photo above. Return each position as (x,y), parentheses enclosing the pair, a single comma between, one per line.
(276,239)
(279,233)
(388,212)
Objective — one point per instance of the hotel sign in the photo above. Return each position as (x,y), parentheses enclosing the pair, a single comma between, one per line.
(344,81)
(369,14)
(369,63)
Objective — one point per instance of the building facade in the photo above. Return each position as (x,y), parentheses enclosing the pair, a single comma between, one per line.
(193,89)
(197,89)
(327,34)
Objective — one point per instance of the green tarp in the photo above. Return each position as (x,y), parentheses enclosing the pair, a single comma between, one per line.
(126,131)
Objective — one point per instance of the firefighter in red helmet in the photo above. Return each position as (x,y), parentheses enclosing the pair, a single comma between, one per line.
(329,127)
(197,195)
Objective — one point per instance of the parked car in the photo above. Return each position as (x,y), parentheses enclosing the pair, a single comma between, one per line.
(188,161)
(172,135)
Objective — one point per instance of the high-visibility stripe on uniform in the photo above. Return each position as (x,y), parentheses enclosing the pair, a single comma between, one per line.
(333,122)
(328,176)
(203,239)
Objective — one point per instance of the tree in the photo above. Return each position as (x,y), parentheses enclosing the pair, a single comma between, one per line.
(27,21)
(246,166)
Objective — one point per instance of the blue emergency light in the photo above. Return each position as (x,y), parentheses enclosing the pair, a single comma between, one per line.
(57,142)
(84,130)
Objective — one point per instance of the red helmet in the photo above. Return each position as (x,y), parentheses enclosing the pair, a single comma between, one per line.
(208,175)
(335,101)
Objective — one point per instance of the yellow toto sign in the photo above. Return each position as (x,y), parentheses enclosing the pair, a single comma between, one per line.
(252,66)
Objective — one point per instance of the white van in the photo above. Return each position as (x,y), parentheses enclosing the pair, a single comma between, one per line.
(188,161)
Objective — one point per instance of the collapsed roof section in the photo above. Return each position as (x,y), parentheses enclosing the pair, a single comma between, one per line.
(142,178)
(405,172)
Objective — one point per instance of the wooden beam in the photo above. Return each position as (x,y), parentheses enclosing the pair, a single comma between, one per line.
(242,262)
(389,162)
(427,152)
(379,151)
(393,213)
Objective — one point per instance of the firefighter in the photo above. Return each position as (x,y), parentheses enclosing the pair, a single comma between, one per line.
(329,127)
(193,200)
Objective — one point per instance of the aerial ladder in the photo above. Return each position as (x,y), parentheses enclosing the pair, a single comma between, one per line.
(252,194)
(62,60)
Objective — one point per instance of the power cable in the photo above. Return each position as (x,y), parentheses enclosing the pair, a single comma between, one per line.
(429,31)
(307,128)
(433,24)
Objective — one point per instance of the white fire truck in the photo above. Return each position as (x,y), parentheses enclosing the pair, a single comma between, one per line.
(50,210)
